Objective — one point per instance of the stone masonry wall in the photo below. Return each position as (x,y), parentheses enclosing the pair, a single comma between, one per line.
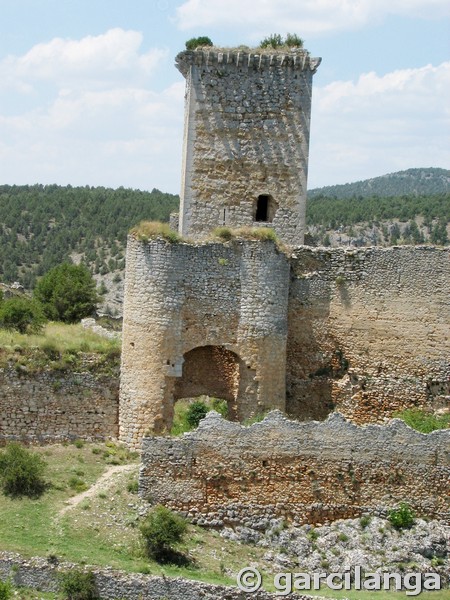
(364,331)
(369,332)
(311,472)
(247,121)
(39,574)
(208,318)
(54,406)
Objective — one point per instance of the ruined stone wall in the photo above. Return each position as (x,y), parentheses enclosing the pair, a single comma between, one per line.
(55,406)
(247,121)
(37,573)
(369,331)
(311,472)
(201,319)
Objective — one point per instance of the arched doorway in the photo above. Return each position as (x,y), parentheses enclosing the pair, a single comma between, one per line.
(212,371)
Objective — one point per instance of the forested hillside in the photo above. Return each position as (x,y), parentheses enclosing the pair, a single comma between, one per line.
(41,226)
(412,182)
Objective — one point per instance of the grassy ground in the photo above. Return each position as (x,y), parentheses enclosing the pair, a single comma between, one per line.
(103,528)
(59,347)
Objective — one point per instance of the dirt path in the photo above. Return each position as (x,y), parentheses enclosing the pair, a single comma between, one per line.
(103,483)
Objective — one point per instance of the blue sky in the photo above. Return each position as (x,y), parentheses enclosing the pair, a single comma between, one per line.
(89,94)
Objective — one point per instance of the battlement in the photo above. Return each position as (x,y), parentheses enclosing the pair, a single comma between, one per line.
(247,59)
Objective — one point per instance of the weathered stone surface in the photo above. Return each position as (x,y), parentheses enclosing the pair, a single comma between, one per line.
(200,319)
(247,121)
(53,406)
(37,573)
(363,331)
(368,332)
(311,472)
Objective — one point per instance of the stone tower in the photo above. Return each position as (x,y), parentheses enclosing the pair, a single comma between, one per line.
(246,140)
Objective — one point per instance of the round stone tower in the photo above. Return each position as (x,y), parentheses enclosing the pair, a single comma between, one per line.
(246,140)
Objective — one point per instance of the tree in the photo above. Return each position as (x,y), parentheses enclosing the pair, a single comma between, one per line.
(162,530)
(195,413)
(194,43)
(67,293)
(21,313)
(21,471)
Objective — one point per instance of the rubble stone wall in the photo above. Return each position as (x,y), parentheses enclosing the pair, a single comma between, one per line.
(55,406)
(311,472)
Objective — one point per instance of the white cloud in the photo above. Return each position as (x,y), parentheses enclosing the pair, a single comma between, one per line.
(124,137)
(308,16)
(378,125)
(81,112)
(94,60)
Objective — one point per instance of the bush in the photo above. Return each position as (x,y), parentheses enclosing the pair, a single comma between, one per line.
(402,517)
(293,41)
(5,590)
(274,40)
(162,530)
(21,471)
(22,314)
(78,585)
(67,293)
(195,413)
(194,43)
(423,421)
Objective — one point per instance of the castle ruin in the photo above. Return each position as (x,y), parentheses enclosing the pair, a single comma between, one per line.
(309,331)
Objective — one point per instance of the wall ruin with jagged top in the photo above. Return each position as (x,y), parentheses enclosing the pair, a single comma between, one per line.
(312,472)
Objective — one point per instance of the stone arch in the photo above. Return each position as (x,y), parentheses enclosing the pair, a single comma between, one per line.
(213,371)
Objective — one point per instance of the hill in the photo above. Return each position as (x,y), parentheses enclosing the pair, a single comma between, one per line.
(411,182)
(44,225)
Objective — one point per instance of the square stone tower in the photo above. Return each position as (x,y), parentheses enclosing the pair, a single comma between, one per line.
(246,140)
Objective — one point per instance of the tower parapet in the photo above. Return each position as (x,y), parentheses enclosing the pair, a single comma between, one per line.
(246,141)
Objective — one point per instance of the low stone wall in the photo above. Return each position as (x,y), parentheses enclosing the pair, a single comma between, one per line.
(310,472)
(37,573)
(53,406)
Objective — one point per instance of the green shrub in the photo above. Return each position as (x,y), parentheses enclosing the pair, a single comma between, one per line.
(293,40)
(21,472)
(67,293)
(195,413)
(257,418)
(194,43)
(78,585)
(220,406)
(22,314)
(402,517)
(423,421)
(133,486)
(274,40)
(365,521)
(5,590)
(162,531)
(77,484)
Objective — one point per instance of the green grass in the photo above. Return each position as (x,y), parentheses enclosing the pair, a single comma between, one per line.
(149,230)
(423,421)
(59,347)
